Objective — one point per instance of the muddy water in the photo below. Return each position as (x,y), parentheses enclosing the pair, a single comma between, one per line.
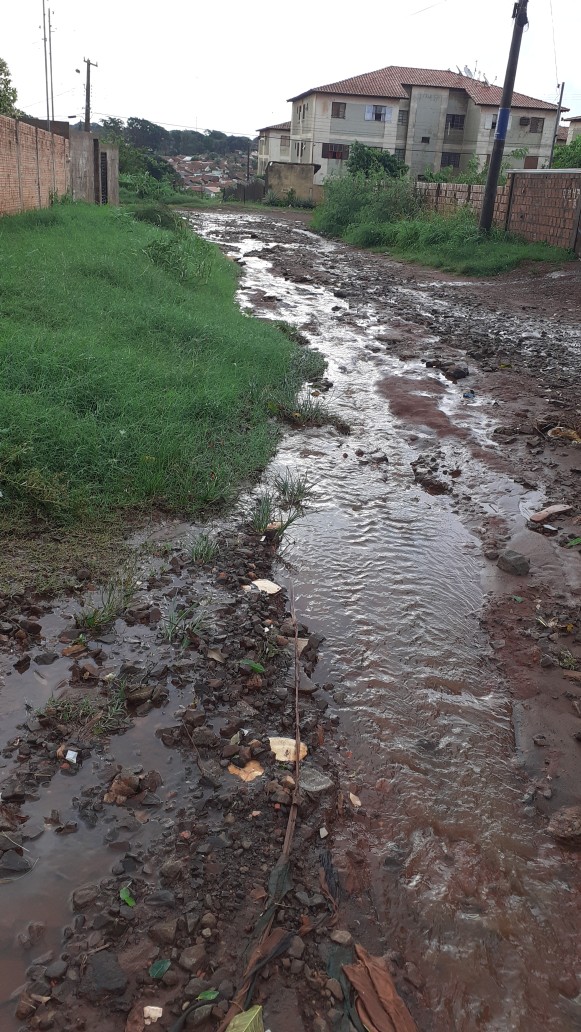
(448,865)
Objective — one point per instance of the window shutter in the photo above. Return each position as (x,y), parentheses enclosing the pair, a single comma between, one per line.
(369,112)
(388,114)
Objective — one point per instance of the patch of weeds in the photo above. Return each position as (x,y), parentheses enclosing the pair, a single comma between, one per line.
(68,711)
(292,489)
(115,597)
(266,517)
(181,626)
(263,512)
(113,715)
(308,411)
(203,549)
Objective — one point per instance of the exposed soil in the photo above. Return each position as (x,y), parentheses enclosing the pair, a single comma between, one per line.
(439,693)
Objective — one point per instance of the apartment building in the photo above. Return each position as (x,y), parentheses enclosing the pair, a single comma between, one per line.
(273,145)
(430,119)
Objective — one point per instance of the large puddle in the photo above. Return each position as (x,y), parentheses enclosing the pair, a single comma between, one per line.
(456,868)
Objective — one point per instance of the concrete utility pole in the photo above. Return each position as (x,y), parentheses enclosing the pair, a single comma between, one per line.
(90,64)
(519,15)
(559,109)
(50,66)
(45,63)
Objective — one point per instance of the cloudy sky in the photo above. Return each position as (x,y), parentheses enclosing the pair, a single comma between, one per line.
(232,66)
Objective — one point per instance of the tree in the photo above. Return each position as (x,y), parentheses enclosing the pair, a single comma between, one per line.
(141,133)
(369,160)
(568,156)
(112,130)
(7,91)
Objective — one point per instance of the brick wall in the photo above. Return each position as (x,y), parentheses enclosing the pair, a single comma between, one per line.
(34,165)
(538,206)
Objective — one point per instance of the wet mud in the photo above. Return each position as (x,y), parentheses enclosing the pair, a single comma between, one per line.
(446,706)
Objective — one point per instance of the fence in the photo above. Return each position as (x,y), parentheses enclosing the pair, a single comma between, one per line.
(37,166)
(536,205)
(34,166)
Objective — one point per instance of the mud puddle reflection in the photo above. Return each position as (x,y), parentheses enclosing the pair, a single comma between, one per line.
(448,861)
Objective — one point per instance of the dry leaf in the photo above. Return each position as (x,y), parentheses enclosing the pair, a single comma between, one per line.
(74,650)
(355,800)
(216,655)
(285,749)
(251,771)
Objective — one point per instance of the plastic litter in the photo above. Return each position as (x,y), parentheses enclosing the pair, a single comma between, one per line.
(151,1014)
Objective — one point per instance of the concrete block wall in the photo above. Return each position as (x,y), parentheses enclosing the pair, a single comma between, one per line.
(535,205)
(34,165)
(282,176)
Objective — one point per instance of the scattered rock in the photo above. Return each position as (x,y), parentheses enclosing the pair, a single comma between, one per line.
(314,781)
(102,976)
(513,562)
(164,932)
(565,825)
(84,896)
(193,958)
(341,936)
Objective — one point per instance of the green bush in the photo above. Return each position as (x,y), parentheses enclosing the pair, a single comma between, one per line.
(359,199)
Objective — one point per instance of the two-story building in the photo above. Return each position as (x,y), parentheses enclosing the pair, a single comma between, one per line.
(430,119)
(273,145)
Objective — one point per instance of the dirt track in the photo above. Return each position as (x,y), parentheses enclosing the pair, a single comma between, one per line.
(440,700)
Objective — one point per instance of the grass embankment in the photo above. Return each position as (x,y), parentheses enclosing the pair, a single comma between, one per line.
(388,215)
(129,376)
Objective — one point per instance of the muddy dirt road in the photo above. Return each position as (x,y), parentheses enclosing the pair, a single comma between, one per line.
(449,705)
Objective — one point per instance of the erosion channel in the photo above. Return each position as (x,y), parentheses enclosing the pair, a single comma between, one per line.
(447,704)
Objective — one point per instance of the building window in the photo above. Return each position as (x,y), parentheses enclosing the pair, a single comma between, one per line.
(455,122)
(284,142)
(338,110)
(425,139)
(377,113)
(537,125)
(336,151)
(400,153)
(402,117)
(450,159)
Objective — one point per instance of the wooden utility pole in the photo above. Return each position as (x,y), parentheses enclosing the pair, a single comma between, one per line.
(559,109)
(90,64)
(519,15)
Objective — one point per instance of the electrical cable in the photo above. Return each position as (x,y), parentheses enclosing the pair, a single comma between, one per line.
(554,42)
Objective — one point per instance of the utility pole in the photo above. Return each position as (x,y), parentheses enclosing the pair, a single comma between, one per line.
(519,15)
(90,64)
(45,63)
(50,65)
(559,109)
(248,164)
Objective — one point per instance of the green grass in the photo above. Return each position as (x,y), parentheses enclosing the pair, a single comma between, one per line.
(453,243)
(389,215)
(129,377)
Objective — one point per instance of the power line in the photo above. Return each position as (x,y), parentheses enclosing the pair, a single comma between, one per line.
(554,42)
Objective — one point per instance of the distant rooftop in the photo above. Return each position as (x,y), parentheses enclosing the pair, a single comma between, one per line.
(281,125)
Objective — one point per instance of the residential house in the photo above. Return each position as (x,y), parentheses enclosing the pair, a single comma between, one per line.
(273,145)
(574,128)
(430,119)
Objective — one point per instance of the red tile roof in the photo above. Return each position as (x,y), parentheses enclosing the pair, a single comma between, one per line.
(281,125)
(390,82)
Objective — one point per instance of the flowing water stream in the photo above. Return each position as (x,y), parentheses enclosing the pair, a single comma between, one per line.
(458,871)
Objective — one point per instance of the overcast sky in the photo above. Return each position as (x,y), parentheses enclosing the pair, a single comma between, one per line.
(232,66)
